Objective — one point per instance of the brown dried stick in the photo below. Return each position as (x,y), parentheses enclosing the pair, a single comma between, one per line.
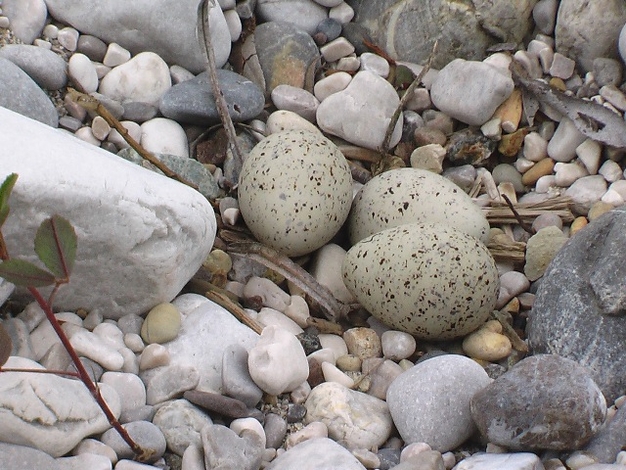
(407,95)
(220,101)
(91,103)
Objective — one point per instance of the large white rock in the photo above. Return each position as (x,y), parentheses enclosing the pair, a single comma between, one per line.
(141,236)
(161,26)
(49,412)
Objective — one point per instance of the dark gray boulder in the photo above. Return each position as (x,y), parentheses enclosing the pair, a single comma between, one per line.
(580,304)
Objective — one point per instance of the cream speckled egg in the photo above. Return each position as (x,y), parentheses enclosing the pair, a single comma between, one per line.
(429,280)
(295,191)
(411,195)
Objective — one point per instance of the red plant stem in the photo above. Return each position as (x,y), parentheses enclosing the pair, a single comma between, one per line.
(83,374)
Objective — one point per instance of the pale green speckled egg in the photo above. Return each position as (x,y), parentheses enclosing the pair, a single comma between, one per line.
(430,280)
(295,191)
(411,195)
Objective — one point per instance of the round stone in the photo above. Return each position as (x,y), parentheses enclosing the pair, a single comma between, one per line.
(162,324)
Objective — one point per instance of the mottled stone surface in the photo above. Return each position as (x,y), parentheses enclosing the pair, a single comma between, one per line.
(579,308)
(544,402)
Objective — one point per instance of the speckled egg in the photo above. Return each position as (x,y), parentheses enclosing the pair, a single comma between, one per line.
(295,191)
(429,280)
(411,195)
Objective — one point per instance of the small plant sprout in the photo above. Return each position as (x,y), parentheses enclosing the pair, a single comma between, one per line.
(55,246)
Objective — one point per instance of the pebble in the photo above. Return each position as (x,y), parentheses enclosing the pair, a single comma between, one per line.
(541,248)
(487,345)
(366,106)
(535,147)
(161,135)
(314,454)
(297,100)
(192,101)
(362,342)
(470,91)
(435,391)
(45,67)
(333,83)
(566,173)
(181,424)
(115,55)
(277,362)
(92,47)
(223,447)
(236,380)
(143,78)
(397,345)
(306,16)
(281,121)
(516,461)
(354,419)
(336,49)
(536,417)
(326,269)
(586,191)
(541,168)
(162,324)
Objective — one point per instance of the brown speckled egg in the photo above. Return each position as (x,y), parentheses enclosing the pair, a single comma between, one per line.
(411,195)
(430,280)
(295,191)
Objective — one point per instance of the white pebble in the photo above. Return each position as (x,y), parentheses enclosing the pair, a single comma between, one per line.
(589,153)
(334,342)
(310,431)
(348,64)
(295,99)
(298,311)
(332,84)
(419,100)
(95,348)
(101,70)
(154,355)
(68,38)
(566,173)
(512,283)
(336,49)
(612,197)
(523,165)
(238,426)
(492,128)
(323,355)
(499,60)
(611,171)
(162,135)
(333,374)
(82,71)
(42,43)
(134,130)
(270,294)
(180,74)
(234,24)
(614,96)
(299,394)
(100,128)
(543,184)
(277,362)
(563,144)
(535,147)
(134,342)
(268,316)
(530,62)
(326,269)
(115,55)
(342,13)
(397,345)
(562,67)
(375,63)
(85,133)
(619,187)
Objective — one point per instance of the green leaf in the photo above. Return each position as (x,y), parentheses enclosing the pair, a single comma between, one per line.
(6,345)
(5,192)
(23,273)
(55,244)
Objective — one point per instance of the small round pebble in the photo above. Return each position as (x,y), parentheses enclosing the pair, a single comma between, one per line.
(162,324)
(397,345)
(362,342)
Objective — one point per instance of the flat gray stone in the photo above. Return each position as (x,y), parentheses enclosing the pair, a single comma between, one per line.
(544,402)
(27,17)
(141,236)
(225,450)
(181,424)
(20,93)
(144,433)
(164,27)
(42,65)
(430,402)
(192,101)
(581,301)
(315,454)
(49,412)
